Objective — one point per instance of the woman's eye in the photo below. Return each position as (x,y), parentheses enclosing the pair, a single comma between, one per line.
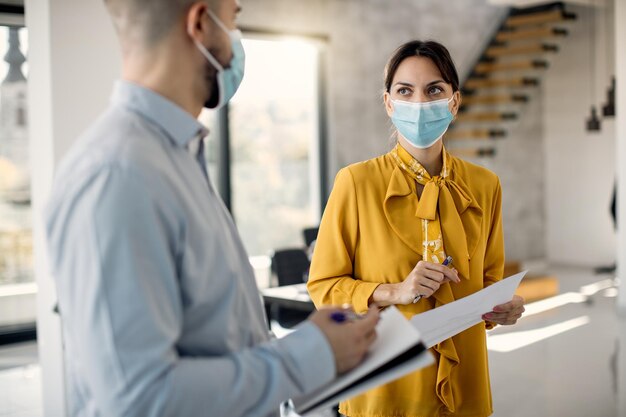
(435,90)
(404,91)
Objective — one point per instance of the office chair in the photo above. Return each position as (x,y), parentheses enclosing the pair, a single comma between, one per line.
(290,267)
(310,235)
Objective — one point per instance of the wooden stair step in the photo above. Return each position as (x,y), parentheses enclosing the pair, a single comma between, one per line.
(487,67)
(485,117)
(497,51)
(458,134)
(474,83)
(472,152)
(470,100)
(538,287)
(539,18)
(516,35)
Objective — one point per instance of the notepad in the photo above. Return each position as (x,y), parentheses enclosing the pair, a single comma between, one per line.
(443,322)
(397,351)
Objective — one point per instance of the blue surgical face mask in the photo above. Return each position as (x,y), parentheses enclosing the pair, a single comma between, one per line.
(422,124)
(228,79)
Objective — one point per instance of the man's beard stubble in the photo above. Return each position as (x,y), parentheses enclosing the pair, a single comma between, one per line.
(210,76)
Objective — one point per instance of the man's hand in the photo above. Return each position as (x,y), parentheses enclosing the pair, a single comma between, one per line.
(507,313)
(349,340)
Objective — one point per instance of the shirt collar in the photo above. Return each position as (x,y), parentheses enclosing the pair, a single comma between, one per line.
(406,161)
(180,126)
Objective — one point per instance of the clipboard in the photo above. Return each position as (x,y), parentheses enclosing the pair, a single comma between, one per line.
(397,351)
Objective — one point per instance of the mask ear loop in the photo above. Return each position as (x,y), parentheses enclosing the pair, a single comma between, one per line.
(454,115)
(218,22)
(203,49)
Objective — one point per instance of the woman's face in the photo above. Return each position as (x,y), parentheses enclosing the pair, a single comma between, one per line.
(418,80)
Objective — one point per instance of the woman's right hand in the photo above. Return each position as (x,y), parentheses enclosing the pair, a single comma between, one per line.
(425,279)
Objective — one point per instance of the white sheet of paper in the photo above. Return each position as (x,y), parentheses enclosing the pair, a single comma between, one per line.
(443,322)
(395,336)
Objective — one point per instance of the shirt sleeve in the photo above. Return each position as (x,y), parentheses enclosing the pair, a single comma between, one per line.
(494,254)
(331,280)
(114,253)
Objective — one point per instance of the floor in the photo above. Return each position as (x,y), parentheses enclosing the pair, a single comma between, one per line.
(561,360)
(571,368)
(20,394)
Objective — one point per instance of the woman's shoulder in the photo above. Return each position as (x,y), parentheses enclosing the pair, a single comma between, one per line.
(380,166)
(474,174)
(372,174)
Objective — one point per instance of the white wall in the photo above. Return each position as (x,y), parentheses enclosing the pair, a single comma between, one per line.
(73,60)
(580,165)
(620,55)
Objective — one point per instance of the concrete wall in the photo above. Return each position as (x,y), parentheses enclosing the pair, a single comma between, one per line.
(519,162)
(580,165)
(361,36)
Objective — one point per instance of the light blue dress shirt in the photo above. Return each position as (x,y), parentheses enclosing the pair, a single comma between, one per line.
(160,310)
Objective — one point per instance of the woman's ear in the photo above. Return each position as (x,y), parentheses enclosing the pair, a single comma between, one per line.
(456,103)
(388,103)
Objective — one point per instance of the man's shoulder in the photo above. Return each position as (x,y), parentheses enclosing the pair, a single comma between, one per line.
(118,141)
(118,138)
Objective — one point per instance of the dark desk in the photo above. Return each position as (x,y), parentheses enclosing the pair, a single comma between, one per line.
(290,296)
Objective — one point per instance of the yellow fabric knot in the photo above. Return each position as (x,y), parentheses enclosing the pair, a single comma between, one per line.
(427,205)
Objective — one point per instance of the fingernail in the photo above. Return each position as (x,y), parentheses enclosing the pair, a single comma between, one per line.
(487,316)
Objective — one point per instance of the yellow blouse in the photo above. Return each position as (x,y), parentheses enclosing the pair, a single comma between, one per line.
(371,234)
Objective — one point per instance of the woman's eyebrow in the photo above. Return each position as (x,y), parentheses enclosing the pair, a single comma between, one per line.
(404,83)
(435,82)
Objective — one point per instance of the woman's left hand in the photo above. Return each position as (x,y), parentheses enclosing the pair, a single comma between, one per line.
(507,313)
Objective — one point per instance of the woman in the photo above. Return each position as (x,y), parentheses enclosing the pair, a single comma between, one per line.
(391,221)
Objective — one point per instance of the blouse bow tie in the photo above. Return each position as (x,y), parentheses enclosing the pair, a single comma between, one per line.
(443,206)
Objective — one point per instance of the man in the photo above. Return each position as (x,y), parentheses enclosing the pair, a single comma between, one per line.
(161,315)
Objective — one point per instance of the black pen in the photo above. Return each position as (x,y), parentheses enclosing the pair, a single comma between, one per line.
(343,316)
(445,262)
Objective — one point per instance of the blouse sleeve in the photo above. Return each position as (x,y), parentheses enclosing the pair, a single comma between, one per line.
(494,254)
(331,279)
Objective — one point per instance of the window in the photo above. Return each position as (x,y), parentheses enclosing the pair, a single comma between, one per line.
(273,130)
(273,134)
(17,287)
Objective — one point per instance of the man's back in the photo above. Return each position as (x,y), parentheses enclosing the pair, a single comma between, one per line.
(154,287)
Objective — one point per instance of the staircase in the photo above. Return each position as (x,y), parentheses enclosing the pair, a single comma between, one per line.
(498,87)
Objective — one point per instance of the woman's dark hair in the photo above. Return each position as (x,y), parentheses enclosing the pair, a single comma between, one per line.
(429,49)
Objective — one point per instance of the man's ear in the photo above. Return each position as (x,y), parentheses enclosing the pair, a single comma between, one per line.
(197,22)
(388,103)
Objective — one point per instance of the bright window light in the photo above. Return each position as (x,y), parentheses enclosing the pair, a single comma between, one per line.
(560,300)
(512,341)
(553,302)
(596,287)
